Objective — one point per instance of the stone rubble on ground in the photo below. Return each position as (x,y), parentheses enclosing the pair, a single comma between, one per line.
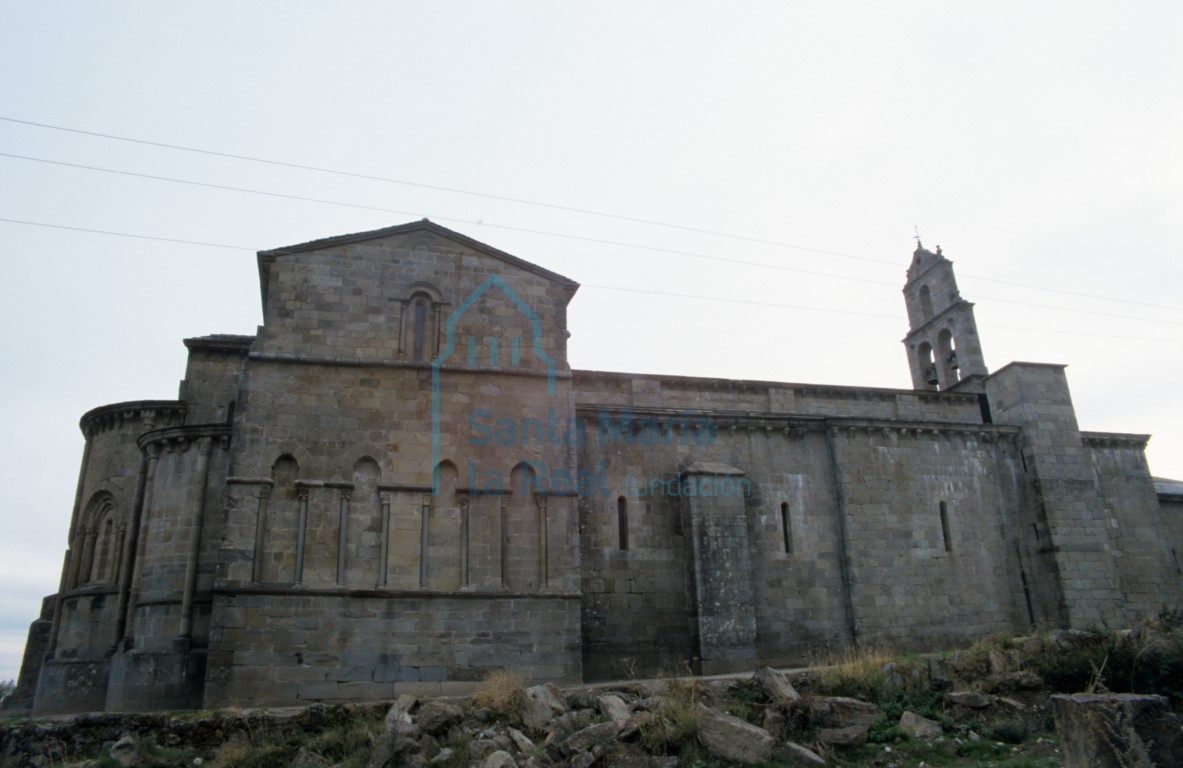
(918,727)
(730,738)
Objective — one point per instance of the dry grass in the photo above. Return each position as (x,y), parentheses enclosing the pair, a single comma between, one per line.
(852,670)
(502,691)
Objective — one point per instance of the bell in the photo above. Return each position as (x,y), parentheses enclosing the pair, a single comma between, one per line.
(953,360)
(931,376)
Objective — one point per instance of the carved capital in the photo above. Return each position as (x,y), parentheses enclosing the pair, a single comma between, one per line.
(302,493)
(386,498)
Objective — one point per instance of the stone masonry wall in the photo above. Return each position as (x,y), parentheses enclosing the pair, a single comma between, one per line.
(860,499)
(595,389)
(930,507)
(210,386)
(1139,529)
(1061,472)
(281,649)
(390,524)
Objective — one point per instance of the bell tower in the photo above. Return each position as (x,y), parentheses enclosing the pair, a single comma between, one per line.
(944,350)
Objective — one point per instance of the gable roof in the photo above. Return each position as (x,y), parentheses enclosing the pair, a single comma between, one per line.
(267,258)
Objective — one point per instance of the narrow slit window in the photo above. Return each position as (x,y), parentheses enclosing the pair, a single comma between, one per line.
(622,522)
(945,527)
(785,528)
(418,329)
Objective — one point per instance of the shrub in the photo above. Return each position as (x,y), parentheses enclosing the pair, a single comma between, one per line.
(1011,731)
(852,671)
(502,691)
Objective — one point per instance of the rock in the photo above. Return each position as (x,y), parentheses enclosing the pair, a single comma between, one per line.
(1019,680)
(648,704)
(398,733)
(1012,703)
(436,716)
(1115,729)
(541,706)
(583,760)
(520,740)
(479,749)
(499,759)
(730,738)
(776,686)
(776,723)
(971,699)
(400,711)
(999,663)
(307,759)
(125,750)
(795,754)
(613,708)
(853,736)
(972,736)
(1027,646)
(841,712)
(595,737)
(581,699)
(644,720)
(938,671)
(444,757)
(919,727)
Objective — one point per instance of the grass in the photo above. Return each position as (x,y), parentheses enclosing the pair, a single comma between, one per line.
(502,691)
(857,671)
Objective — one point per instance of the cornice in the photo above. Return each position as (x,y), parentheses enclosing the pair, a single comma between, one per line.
(146,413)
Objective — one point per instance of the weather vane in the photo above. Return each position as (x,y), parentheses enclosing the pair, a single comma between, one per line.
(916,237)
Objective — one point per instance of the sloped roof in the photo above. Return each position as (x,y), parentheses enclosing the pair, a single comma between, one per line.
(1166,487)
(267,258)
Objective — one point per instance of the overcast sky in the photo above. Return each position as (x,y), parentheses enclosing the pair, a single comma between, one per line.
(736,186)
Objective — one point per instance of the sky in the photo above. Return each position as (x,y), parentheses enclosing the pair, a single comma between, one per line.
(736,186)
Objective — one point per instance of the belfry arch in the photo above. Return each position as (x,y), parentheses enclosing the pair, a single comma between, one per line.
(942,342)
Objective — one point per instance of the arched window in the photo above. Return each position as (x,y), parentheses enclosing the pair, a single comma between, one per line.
(106,542)
(928,368)
(420,309)
(99,546)
(925,302)
(947,356)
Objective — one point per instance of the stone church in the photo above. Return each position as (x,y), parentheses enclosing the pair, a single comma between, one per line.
(400,485)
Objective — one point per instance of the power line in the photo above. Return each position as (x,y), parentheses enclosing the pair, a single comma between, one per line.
(736,301)
(613,288)
(598,241)
(126,234)
(455,190)
(479,223)
(553,206)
